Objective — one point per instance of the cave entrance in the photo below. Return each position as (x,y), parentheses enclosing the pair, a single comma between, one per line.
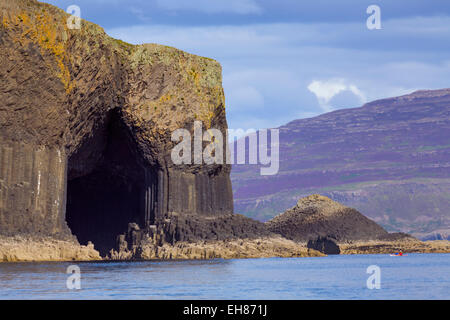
(109,186)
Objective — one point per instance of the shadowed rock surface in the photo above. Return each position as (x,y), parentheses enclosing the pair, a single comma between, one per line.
(192,228)
(85,130)
(325,245)
(318,216)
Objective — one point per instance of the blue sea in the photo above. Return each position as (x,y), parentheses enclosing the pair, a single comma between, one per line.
(415,276)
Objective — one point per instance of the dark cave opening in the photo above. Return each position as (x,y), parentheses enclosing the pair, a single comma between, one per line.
(108,187)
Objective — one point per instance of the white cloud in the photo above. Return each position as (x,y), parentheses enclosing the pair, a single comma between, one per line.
(212,6)
(326,90)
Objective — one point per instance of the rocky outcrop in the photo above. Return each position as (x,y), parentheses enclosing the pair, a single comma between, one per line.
(85,130)
(188,229)
(326,245)
(406,245)
(318,216)
(264,247)
(197,228)
(35,248)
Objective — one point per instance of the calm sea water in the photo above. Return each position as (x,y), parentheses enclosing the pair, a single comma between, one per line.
(416,276)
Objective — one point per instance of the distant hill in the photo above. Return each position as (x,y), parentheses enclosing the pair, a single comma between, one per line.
(317,215)
(389,159)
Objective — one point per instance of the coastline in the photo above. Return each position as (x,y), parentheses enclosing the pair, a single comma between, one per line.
(262,247)
(385,247)
(45,249)
(34,249)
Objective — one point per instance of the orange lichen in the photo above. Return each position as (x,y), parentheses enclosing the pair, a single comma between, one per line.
(165,98)
(41,30)
(194,75)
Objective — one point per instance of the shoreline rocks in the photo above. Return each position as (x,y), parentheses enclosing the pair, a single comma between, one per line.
(266,247)
(386,247)
(30,249)
(22,249)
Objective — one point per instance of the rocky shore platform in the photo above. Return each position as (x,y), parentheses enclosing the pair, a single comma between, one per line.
(20,249)
(386,247)
(220,249)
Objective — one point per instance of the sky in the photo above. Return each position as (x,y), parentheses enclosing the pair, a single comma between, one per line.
(289,59)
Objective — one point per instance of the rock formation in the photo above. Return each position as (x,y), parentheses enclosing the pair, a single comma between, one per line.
(85,130)
(406,245)
(38,248)
(264,247)
(325,245)
(318,216)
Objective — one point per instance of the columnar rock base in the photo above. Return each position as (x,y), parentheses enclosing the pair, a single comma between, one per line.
(197,237)
(274,246)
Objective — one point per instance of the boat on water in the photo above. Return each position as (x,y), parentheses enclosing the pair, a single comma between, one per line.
(398,254)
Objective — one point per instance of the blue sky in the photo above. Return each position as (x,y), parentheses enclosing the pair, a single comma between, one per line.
(289,59)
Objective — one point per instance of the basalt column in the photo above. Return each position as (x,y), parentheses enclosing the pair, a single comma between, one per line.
(205,193)
(32,190)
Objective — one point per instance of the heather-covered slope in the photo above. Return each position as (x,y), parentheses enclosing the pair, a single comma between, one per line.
(389,159)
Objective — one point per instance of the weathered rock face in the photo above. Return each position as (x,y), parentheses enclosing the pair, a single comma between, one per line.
(325,245)
(260,247)
(85,128)
(193,228)
(318,216)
